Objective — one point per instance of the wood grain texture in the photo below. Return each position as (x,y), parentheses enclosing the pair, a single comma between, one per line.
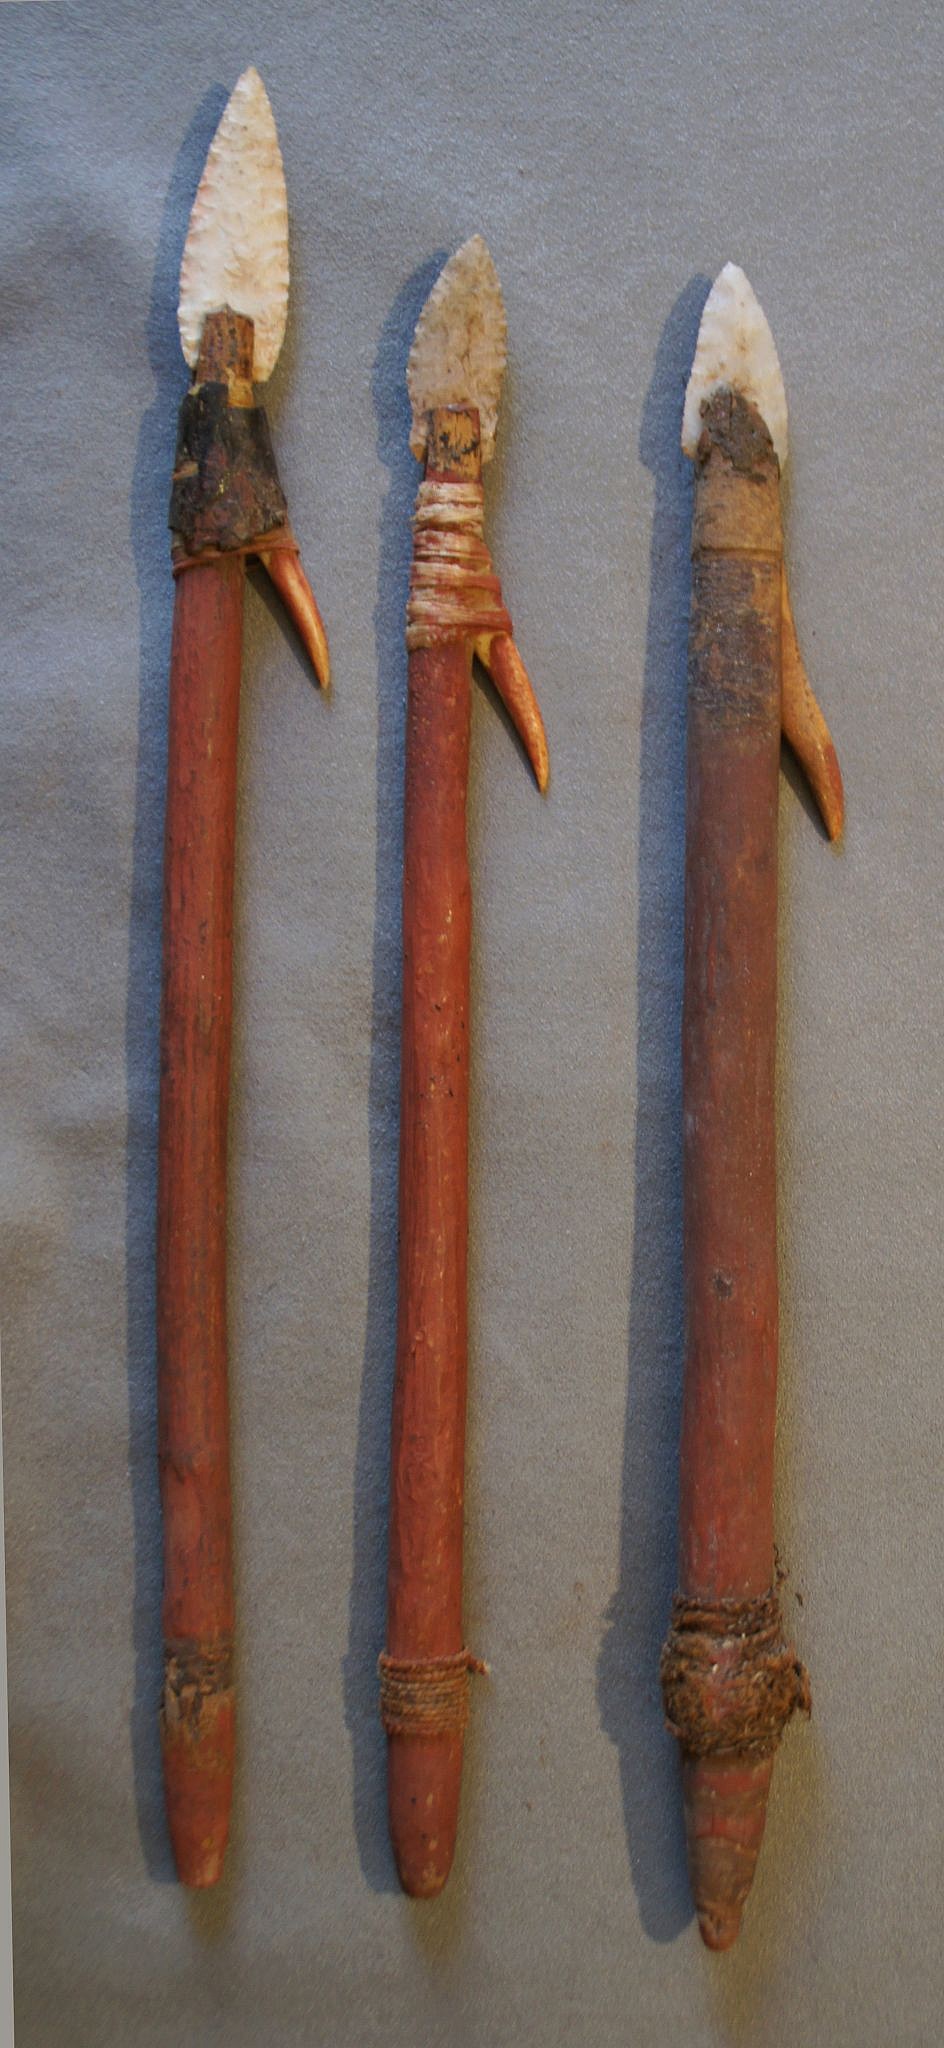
(196,1014)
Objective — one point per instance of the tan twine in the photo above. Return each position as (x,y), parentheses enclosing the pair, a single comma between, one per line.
(454,591)
(426,1695)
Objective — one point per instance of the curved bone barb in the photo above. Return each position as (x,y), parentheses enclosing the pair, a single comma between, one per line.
(735,347)
(236,252)
(284,568)
(460,345)
(806,728)
(500,658)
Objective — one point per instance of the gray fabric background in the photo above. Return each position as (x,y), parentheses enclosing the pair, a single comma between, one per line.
(614,155)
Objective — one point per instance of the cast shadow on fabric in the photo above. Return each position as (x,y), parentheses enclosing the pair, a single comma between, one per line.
(367,1604)
(628,1670)
(150,541)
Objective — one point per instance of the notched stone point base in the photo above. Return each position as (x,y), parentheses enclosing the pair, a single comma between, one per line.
(733,426)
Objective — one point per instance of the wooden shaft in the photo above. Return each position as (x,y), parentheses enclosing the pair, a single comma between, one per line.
(728,1054)
(425,1572)
(726,1549)
(198,1703)
(424,1586)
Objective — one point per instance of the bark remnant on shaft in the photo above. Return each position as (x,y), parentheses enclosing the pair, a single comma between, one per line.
(730,1682)
(226,489)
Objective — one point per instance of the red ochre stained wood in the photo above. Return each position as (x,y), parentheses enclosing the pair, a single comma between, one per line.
(728,1058)
(728,1053)
(198,1706)
(424,1588)
(226,502)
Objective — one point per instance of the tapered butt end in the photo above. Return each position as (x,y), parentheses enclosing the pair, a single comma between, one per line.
(424,1775)
(725,1810)
(198,1782)
(730,1684)
(198,1745)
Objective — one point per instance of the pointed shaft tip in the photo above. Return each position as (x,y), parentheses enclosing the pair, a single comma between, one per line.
(198,1758)
(201,1868)
(725,1800)
(719,1931)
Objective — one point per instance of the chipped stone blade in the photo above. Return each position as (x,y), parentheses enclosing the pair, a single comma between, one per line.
(460,345)
(735,348)
(236,252)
